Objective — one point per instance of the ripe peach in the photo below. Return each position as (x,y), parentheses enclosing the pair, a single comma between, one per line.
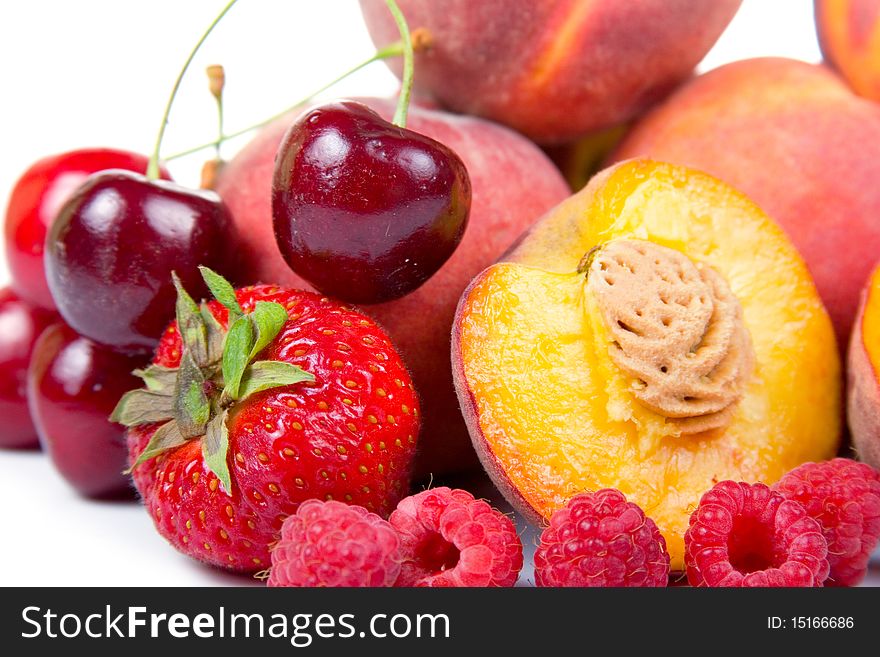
(798,142)
(654,333)
(863,375)
(513,184)
(849,34)
(558,69)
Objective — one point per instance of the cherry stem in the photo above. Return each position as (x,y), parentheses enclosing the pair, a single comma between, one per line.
(393,50)
(408,56)
(153,166)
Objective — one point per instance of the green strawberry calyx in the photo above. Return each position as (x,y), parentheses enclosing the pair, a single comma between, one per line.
(218,369)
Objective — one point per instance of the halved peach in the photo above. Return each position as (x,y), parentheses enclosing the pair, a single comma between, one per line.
(655,333)
(863,375)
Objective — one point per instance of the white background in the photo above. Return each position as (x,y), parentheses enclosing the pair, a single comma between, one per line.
(79,73)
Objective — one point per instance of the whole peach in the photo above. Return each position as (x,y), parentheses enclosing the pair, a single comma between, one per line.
(513,184)
(558,69)
(848,33)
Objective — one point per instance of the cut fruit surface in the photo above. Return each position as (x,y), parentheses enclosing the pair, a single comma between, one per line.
(553,413)
(863,375)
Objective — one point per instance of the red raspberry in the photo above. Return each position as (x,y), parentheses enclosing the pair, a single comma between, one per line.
(335,544)
(600,539)
(450,539)
(748,535)
(844,497)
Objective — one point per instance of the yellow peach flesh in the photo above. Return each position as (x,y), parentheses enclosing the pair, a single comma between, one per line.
(871,322)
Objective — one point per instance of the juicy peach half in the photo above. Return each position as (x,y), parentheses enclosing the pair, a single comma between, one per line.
(655,333)
(863,375)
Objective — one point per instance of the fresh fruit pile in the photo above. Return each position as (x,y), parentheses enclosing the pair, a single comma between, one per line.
(648,369)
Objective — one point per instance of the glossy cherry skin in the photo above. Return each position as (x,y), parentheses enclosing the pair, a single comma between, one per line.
(34,203)
(111,252)
(364,210)
(20,325)
(73,385)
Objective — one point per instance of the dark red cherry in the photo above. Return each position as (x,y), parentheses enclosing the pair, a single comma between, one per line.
(364,210)
(35,201)
(112,249)
(73,385)
(20,325)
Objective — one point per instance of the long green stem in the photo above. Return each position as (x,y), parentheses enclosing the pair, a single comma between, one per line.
(219,142)
(408,56)
(393,50)
(153,166)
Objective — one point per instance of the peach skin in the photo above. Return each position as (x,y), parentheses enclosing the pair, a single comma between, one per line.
(655,333)
(798,142)
(555,70)
(849,34)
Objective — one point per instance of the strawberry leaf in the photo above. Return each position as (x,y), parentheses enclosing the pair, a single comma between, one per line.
(216,335)
(215,447)
(192,409)
(267,374)
(196,403)
(269,318)
(191,324)
(158,379)
(223,292)
(140,406)
(165,437)
(236,353)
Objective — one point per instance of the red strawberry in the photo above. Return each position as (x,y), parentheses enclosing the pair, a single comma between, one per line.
(332,415)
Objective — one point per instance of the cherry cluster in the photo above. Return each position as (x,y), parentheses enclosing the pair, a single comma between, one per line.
(364,210)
